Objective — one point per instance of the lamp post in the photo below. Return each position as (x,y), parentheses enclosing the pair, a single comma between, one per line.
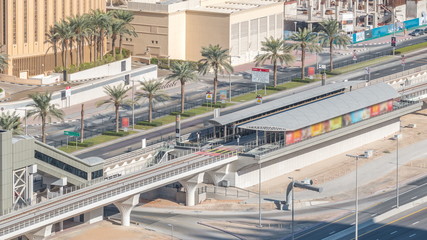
(229,77)
(25,119)
(170,225)
(293,211)
(259,195)
(356,233)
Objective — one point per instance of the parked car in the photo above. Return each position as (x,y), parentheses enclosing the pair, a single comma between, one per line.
(425,30)
(417,32)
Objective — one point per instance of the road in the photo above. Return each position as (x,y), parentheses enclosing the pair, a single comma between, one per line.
(413,191)
(187,222)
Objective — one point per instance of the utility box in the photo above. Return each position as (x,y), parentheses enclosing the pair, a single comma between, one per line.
(369,153)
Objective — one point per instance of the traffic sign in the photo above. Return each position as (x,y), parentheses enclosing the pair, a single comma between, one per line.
(74,134)
(259,99)
(67,91)
(208,95)
(321,66)
(260,75)
(354,55)
(403,60)
(367,70)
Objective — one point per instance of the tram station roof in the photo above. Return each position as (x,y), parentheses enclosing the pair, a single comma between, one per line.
(325,109)
(279,103)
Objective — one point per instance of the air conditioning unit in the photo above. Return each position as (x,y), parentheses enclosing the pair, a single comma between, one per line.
(225,183)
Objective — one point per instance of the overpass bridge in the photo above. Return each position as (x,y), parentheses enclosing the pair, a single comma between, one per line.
(123,191)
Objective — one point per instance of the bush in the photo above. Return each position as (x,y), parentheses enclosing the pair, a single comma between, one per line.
(215,105)
(307,80)
(278,88)
(188,114)
(146,123)
(175,113)
(163,62)
(113,133)
(1,89)
(79,144)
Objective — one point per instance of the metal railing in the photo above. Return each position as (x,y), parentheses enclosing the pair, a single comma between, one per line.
(47,210)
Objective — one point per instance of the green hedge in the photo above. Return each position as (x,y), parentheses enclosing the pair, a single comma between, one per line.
(79,144)
(113,133)
(278,88)
(215,105)
(184,114)
(163,62)
(1,89)
(307,80)
(146,123)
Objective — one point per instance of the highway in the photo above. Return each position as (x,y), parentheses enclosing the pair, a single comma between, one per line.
(411,192)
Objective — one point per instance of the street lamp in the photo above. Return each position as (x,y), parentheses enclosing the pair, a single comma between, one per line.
(229,76)
(293,211)
(25,119)
(170,225)
(356,233)
(259,194)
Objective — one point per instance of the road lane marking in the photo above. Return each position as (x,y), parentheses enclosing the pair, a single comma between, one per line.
(393,232)
(414,197)
(415,222)
(408,215)
(412,235)
(374,214)
(338,220)
(331,232)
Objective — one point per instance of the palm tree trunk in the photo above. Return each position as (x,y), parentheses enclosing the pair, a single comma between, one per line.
(120,44)
(113,45)
(63,55)
(101,35)
(302,63)
(82,51)
(215,85)
(55,52)
(43,129)
(275,73)
(150,109)
(71,51)
(182,97)
(82,124)
(117,118)
(331,63)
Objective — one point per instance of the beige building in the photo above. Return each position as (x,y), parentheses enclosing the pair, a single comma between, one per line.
(23,28)
(178,29)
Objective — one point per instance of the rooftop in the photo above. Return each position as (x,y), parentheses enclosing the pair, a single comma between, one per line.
(325,109)
(279,103)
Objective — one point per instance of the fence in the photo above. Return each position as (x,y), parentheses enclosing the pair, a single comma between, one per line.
(231,192)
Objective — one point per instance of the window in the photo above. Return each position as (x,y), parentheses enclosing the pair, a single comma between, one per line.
(45,18)
(36,25)
(25,21)
(97,174)
(56,163)
(14,21)
(55,9)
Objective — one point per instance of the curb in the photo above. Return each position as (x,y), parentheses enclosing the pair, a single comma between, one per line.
(380,43)
(54,123)
(379,218)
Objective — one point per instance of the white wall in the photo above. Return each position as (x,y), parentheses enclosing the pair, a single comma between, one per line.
(106,70)
(90,90)
(275,170)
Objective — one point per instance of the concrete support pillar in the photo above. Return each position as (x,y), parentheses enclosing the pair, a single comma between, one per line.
(328,3)
(310,10)
(265,137)
(366,6)
(322,10)
(256,137)
(31,171)
(375,20)
(94,216)
(61,226)
(337,10)
(125,207)
(40,234)
(366,20)
(225,132)
(190,186)
(218,175)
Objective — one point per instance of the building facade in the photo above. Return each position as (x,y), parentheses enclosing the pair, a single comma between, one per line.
(24,27)
(179,29)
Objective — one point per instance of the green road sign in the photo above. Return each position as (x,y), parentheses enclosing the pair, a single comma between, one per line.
(74,134)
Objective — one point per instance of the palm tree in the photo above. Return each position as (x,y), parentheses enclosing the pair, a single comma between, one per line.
(102,22)
(117,27)
(43,109)
(117,96)
(152,91)
(10,122)
(52,38)
(332,35)
(3,61)
(77,25)
(183,72)
(306,41)
(274,51)
(217,60)
(65,35)
(127,17)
